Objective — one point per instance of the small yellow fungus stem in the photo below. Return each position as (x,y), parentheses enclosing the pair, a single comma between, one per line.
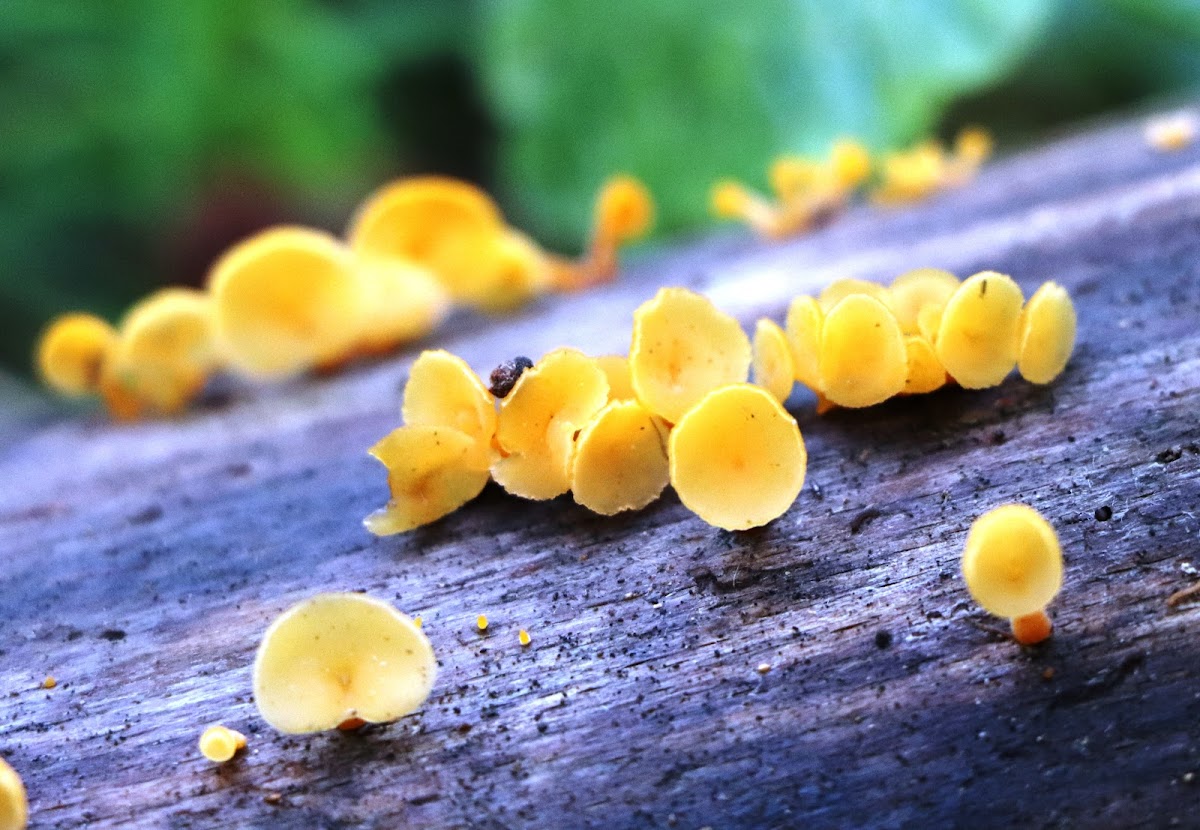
(1032,629)
(481,622)
(220,743)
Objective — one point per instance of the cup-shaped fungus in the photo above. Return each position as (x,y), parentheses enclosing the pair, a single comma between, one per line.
(840,289)
(805,320)
(220,743)
(511,271)
(978,335)
(911,175)
(774,368)
(538,421)
(432,471)
(285,300)
(737,458)
(863,356)
(850,162)
(683,348)
(1047,334)
(14,808)
(446,225)
(925,373)
(341,657)
(620,460)
(401,301)
(731,200)
(620,381)
(624,212)
(167,349)
(913,291)
(1013,567)
(71,352)
(442,390)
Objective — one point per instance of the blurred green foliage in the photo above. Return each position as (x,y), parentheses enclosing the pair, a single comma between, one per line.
(130,129)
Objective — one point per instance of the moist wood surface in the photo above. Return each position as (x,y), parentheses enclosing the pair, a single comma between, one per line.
(141,564)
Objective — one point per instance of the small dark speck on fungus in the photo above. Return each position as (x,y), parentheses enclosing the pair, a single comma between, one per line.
(504,377)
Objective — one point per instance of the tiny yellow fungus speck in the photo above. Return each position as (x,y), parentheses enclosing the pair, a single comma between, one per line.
(481,622)
(1172,132)
(338,656)
(774,368)
(737,458)
(72,350)
(1047,334)
(523,637)
(620,460)
(978,336)
(683,348)
(14,807)
(863,356)
(418,622)
(220,743)
(50,682)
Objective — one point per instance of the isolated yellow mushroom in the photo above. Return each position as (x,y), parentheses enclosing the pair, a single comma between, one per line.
(14,808)
(285,300)
(220,743)
(913,291)
(71,352)
(1047,334)
(736,458)
(1012,565)
(620,380)
(341,657)
(401,302)
(620,459)
(978,335)
(774,368)
(925,373)
(538,421)
(442,390)
(432,471)
(805,322)
(683,348)
(863,356)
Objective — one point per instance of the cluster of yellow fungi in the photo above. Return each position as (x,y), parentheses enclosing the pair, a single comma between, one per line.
(14,808)
(807,192)
(860,343)
(1013,567)
(293,299)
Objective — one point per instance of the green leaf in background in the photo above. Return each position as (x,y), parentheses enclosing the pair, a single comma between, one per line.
(682,93)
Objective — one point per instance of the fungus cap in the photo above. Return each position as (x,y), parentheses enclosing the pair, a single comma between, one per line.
(538,421)
(511,271)
(792,176)
(1012,563)
(978,334)
(285,300)
(913,291)
(624,210)
(220,743)
(442,390)
(683,348)
(338,656)
(402,301)
(432,471)
(845,287)
(851,163)
(925,373)
(774,368)
(805,320)
(737,459)
(864,360)
(620,381)
(1047,334)
(71,352)
(620,459)
(14,807)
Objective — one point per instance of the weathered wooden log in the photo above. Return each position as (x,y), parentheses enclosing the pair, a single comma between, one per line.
(142,563)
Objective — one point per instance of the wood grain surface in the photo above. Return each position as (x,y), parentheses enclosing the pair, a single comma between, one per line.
(139,565)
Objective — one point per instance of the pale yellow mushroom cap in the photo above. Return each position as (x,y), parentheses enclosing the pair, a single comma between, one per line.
(737,458)
(851,162)
(402,301)
(683,348)
(925,373)
(442,390)
(447,225)
(624,210)
(72,350)
(839,289)
(774,368)
(1047,334)
(791,176)
(620,380)
(285,300)
(729,200)
(167,348)
(432,471)
(620,460)
(220,743)
(538,421)
(514,272)
(1012,562)
(334,657)
(805,320)
(978,335)
(863,357)
(14,808)
(913,291)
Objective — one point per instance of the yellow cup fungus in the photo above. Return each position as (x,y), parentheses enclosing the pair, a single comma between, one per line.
(925,373)
(805,321)
(1047,334)
(914,291)
(220,743)
(620,459)
(285,300)
(538,421)
(774,368)
(442,390)
(863,358)
(925,169)
(1012,565)
(401,302)
(14,808)
(731,200)
(978,335)
(71,352)
(481,622)
(432,471)
(736,458)
(620,380)
(624,212)
(850,162)
(523,637)
(683,348)
(840,289)
(336,657)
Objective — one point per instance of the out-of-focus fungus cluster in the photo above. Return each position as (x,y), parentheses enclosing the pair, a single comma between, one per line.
(806,193)
(292,299)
